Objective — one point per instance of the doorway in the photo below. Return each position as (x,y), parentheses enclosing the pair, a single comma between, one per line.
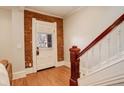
(44,44)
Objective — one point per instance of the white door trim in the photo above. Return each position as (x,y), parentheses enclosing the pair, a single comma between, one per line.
(34,44)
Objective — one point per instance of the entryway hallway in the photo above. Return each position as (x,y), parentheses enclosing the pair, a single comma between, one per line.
(58,76)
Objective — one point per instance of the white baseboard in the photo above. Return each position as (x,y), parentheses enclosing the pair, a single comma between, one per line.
(111,81)
(19,74)
(30,70)
(67,64)
(60,63)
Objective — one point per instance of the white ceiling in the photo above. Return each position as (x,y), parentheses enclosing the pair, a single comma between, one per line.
(60,11)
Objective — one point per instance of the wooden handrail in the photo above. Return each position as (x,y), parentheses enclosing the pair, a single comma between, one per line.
(102,35)
(75,53)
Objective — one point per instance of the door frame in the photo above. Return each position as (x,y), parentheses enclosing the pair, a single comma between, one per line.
(34,57)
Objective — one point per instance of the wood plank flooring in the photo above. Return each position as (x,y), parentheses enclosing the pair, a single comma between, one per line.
(58,76)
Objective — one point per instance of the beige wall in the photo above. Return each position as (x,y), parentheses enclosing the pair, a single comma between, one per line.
(12,37)
(18,39)
(85,24)
(5,34)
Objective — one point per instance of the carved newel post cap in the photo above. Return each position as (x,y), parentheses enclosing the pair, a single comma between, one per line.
(74,46)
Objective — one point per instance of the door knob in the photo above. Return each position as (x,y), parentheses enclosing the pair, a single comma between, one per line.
(37,51)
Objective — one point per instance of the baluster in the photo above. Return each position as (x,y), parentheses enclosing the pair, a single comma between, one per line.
(84,64)
(90,58)
(114,42)
(119,40)
(122,38)
(99,52)
(93,54)
(122,32)
(86,71)
(108,40)
(87,62)
(92,61)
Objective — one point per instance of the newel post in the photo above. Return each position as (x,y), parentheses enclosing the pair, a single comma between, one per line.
(75,74)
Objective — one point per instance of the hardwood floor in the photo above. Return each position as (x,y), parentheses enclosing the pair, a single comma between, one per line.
(58,76)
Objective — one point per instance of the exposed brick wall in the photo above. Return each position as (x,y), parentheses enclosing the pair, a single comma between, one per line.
(28,15)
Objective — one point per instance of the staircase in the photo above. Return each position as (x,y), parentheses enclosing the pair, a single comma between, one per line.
(102,61)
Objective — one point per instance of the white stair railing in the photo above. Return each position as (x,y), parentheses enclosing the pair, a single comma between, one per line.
(101,55)
(105,50)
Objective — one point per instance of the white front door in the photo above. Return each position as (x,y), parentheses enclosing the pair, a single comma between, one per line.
(45,44)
